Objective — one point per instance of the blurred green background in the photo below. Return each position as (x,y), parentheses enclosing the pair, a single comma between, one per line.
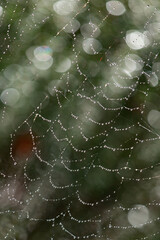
(80,119)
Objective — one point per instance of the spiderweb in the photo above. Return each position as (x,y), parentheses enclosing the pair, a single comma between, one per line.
(79,119)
